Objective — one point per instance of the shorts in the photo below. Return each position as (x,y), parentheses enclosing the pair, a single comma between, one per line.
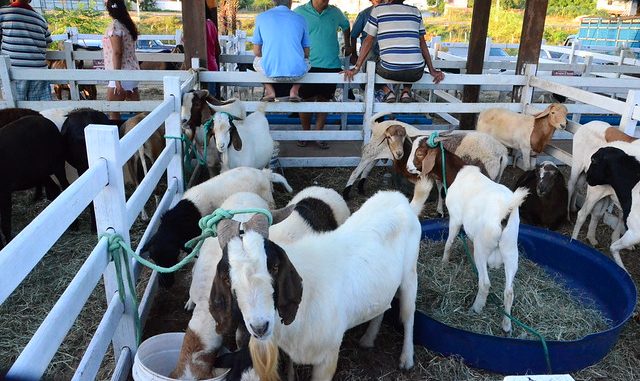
(405,76)
(33,91)
(126,85)
(257,66)
(319,91)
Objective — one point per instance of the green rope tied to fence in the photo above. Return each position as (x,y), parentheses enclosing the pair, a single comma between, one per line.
(117,245)
(432,143)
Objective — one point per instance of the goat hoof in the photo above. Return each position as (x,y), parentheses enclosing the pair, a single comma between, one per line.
(406,363)
(477,308)
(592,241)
(506,326)
(346,193)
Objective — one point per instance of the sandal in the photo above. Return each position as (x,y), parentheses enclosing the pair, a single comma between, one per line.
(406,97)
(389,97)
(301,143)
(322,144)
(268,98)
(295,99)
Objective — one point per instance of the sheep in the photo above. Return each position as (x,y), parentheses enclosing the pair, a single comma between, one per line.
(618,165)
(31,149)
(180,224)
(489,214)
(372,255)
(586,141)
(250,136)
(547,196)
(202,340)
(528,133)
(473,148)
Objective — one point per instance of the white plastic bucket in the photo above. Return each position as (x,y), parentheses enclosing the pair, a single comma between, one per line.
(157,357)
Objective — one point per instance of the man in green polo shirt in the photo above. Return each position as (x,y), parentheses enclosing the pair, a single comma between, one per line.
(324,21)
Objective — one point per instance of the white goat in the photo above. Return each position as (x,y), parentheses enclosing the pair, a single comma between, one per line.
(250,136)
(372,256)
(528,133)
(586,141)
(481,207)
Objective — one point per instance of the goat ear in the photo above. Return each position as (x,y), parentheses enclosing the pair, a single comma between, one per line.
(281,214)
(216,102)
(429,161)
(543,113)
(235,138)
(221,299)
(289,286)
(227,229)
(259,224)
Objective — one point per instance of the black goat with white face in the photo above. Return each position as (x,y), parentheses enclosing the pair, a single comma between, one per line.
(618,165)
(547,194)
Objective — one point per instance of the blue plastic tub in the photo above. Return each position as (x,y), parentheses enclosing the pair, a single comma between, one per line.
(582,268)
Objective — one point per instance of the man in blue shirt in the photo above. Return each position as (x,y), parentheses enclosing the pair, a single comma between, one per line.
(281,46)
(357,31)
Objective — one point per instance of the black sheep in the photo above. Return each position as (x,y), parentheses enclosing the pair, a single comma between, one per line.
(546,204)
(31,150)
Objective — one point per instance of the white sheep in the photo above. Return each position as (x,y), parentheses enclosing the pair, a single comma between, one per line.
(250,137)
(180,224)
(528,133)
(618,165)
(586,141)
(349,276)
(481,206)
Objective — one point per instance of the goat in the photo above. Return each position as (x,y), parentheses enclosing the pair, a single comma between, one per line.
(31,149)
(528,133)
(202,339)
(180,224)
(163,65)
(87,92)
(489,214)
(250,136)
(196,111)
(618,165)
(12,114)
(239,364)
(373,255)
(473,148)
(586,141)
(547,196)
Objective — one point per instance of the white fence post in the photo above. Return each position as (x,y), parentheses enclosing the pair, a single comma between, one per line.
(588,66)
(526,91)
(178,36)
(8,87)
(71,65)
(369,98)
(72,34)
(173,129)
(111,215)
(487,52)
(627,123)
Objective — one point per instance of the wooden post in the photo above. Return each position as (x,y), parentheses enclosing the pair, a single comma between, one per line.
(111,216)
(530,38)
(195,33)
(475,57)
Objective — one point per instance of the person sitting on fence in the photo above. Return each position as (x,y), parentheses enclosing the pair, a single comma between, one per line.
(323,21)
(25,36)
(403,51)
(119,51)
(281,46)
(357,31)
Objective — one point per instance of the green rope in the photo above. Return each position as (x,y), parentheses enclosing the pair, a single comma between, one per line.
(432,143)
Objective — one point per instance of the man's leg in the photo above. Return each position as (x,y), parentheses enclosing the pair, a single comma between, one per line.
(305,120)
(321,118)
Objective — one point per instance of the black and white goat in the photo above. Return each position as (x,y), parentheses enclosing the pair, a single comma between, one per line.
(180,224)
(372,256)
(548,195)
(31,149)
(618,165)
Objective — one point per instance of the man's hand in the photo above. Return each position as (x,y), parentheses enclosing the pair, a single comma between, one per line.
(437,75)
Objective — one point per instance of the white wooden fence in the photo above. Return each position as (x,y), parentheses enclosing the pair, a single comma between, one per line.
(103,182)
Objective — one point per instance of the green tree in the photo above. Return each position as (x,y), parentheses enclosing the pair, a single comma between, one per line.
(148,5)
(245,4)
(262,5)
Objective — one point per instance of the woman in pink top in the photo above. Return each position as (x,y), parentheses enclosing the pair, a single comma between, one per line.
(119,50)
(213,47)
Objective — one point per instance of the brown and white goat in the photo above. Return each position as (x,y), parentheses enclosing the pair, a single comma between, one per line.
(87,92)
(528,133)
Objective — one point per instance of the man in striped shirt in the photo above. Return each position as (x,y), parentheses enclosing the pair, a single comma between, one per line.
(25,36)
(403,51)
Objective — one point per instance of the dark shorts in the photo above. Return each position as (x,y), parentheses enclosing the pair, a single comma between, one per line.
(411,75)
(319,91)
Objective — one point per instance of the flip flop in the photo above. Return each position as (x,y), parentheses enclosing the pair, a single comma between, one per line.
(389,97)
(301,143)
(268,98)
(406,97)
(322,144)
(295,99)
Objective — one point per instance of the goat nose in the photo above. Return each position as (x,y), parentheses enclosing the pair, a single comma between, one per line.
(260,329)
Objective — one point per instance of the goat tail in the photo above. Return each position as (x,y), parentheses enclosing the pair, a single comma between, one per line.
(518,198)
(278,178)
(262,107)
(264,355)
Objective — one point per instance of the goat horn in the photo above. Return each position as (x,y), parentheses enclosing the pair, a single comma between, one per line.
(259,224)
(281,214)
(227,229)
